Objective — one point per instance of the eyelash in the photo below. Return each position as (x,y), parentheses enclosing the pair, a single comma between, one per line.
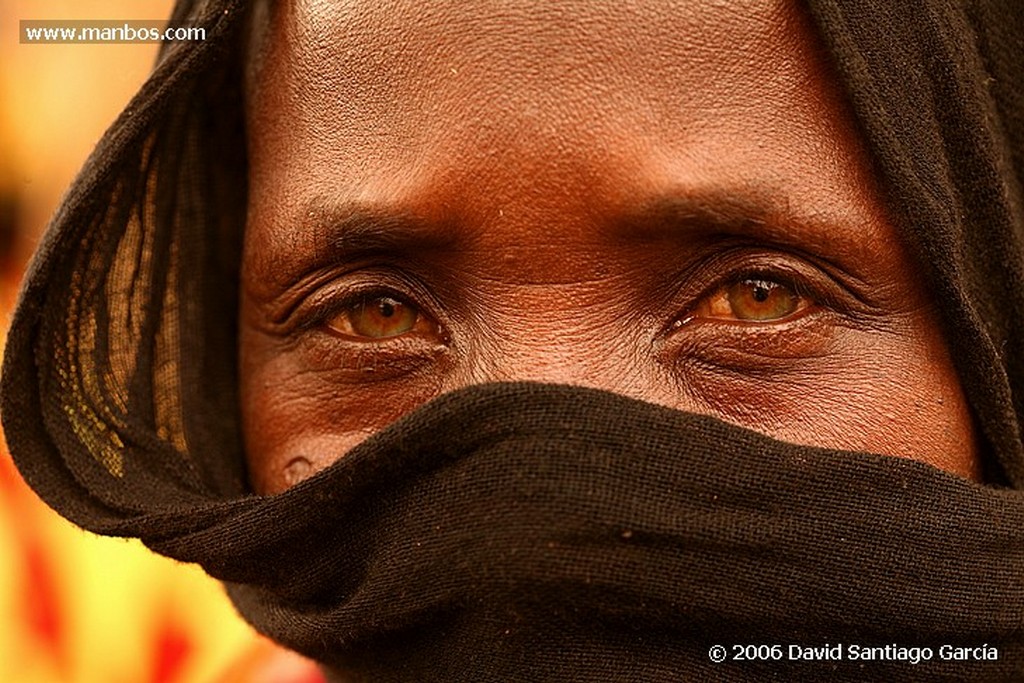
(805,277)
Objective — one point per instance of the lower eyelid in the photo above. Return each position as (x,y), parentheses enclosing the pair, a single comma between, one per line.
(750,345)
(351,361)
(356,338)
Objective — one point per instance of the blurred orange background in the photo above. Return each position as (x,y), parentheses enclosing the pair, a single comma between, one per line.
(75,607)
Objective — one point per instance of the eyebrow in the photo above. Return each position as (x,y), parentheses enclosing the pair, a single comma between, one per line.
(726,212)
(354,231)
(756,213)
(720,212)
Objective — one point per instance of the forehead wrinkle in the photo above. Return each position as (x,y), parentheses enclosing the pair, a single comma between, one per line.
(394,81)
(366,57)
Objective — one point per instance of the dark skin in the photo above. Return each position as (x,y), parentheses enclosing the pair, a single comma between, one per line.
(667,200)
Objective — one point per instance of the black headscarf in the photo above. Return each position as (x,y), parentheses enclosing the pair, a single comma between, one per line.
(535,532)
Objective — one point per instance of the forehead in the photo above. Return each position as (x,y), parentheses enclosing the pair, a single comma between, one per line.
(388,76)
(551,113)
(385,48)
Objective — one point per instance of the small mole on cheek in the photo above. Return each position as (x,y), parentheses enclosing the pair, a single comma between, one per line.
(296,470)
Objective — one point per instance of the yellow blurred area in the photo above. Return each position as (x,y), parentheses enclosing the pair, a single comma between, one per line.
(76,607)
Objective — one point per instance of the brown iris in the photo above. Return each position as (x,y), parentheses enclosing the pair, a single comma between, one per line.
(380,317)
(753,300)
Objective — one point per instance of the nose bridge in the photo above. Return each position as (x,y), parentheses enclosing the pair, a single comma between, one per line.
(559,351)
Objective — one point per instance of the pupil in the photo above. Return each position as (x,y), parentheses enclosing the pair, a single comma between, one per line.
(761,293)
(387,308)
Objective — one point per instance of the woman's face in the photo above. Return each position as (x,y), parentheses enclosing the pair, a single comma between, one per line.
(667,200)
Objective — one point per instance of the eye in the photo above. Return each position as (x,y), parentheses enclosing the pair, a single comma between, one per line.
(381,317)
(753,299)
